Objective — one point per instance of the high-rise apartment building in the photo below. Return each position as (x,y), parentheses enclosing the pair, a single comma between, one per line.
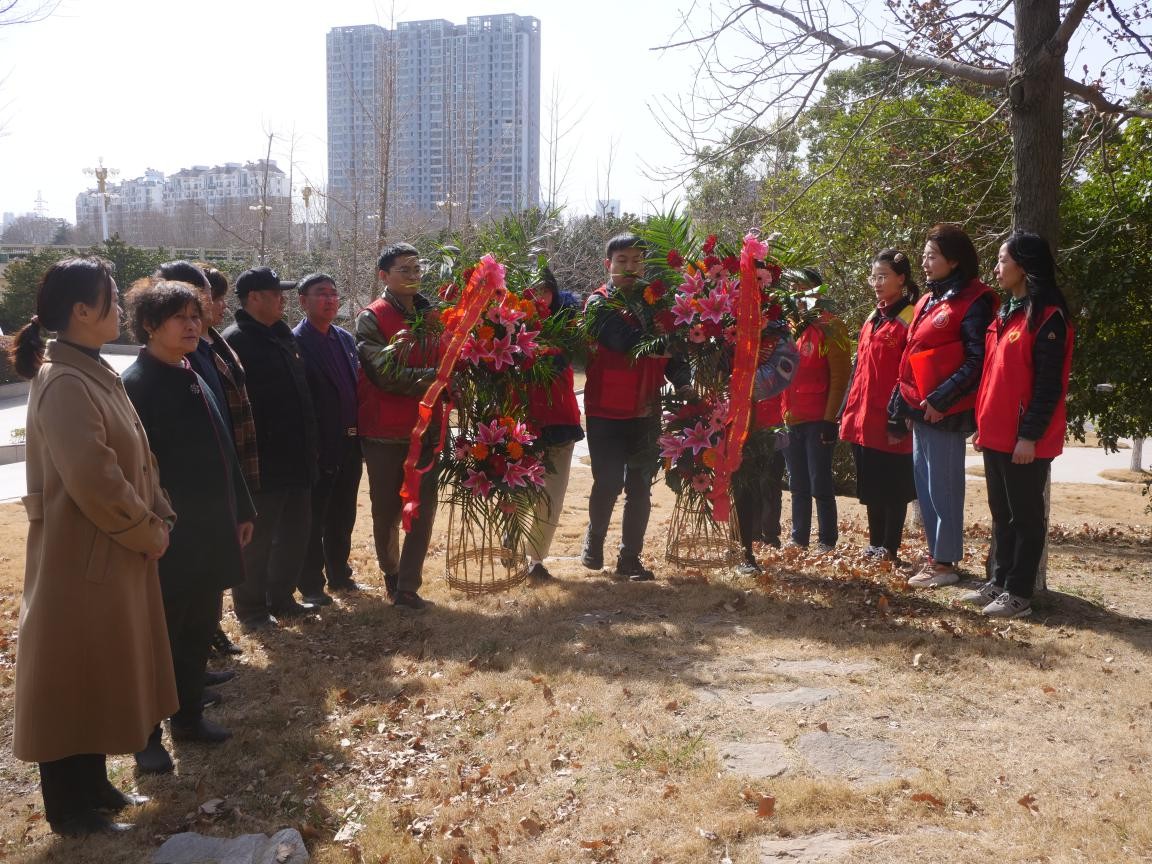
(440,116)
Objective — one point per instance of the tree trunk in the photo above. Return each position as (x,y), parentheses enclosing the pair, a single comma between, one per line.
(1036,94)
(1137,461)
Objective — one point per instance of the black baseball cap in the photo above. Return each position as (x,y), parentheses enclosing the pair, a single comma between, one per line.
(260,279)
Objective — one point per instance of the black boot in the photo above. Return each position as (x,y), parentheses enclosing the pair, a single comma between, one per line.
(154,759)
(222,645)
(630,565)
(592,556)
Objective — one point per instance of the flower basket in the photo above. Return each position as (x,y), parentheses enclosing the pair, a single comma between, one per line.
(476,561)
(697,540)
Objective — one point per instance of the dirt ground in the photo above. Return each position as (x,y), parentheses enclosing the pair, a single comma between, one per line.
(591,720)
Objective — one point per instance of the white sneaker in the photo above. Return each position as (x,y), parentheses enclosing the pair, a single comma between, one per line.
(1008,606)
(823,548)
(983,595)
(874,552)
(934,575)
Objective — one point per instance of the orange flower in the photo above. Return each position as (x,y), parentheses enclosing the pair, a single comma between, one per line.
(449,317)
(480,451)
(508,422)
(708,457)
(484,333)
(528,307)
(515,451)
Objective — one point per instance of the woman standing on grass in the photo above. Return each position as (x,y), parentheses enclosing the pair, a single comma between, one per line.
(936,392)
(94,673)
(556,415)
(198,469)
(1020,418)
(884,481)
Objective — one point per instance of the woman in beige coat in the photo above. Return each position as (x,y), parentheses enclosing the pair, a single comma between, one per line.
(93,671)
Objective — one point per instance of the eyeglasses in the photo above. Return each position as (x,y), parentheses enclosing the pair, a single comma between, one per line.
(408,271)
(873,278)
(325,295)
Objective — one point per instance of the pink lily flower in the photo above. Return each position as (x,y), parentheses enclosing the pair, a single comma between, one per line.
(715,306)
(693,283)
(503,352)
(478,482)
(683,310)
(490,433)
(521,434)
(671,445)
(461,448)
(698,438)
(535,472)
(516,475)
(526,342)
(473,351)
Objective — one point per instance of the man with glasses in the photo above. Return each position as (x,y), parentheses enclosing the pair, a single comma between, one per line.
(329,355)
(286,445)
(390,390)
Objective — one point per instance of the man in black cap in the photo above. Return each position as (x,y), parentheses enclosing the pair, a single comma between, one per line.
(286,441)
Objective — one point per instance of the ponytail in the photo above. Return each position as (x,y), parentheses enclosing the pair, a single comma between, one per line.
(27,351)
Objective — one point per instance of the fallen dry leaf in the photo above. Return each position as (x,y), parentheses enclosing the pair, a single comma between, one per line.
(1028,802)
(708,835)
(765,804)
(672,706)
(1049,690)
(823,727)
(670,791)
(531,825)
(928,798)
(211,807)
(595,844)
(882,605)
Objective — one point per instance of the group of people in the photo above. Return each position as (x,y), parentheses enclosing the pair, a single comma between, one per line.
(233,460)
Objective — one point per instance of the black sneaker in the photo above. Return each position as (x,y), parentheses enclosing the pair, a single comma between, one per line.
(292,609)
(592,555)
(222,645)
(88,822)
(255,625)
(320,599)
(630,566)
(409,600)
(210,697)
(154,759)
(202,731)
(391,583)
(348,585)
(538,573)
(222,677)
(749,568)
(111,800)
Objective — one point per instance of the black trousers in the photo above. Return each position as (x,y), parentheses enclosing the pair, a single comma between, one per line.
(191,617)
(624,459)
(757,492)
(886,525)
(70,785)
(384,461)
(333,518)
(1019,526)
(273,559)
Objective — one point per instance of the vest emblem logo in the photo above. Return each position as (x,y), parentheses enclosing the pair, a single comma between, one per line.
(1014,336)
(941,318)
(806,348)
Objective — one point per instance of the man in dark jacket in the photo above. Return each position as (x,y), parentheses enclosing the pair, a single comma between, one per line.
(287,446)
(329,354)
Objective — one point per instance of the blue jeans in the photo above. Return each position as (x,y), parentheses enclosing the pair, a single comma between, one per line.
(810,476)
(938,464)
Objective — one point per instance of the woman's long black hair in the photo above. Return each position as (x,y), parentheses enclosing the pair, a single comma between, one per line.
(1034,256)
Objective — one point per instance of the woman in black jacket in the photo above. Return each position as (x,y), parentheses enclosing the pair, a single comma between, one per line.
(198,468)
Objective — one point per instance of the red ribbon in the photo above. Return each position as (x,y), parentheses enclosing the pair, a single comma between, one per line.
(749,322)
(487,280)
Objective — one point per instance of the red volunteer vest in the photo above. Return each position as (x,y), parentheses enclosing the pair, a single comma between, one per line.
(383,414)
(555,404)
(807,397)
(865,419)
(619,386)
(1006,388)
(768,413)
(939,328)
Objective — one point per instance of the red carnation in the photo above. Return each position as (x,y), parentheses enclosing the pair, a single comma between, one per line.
(773,312)
(712,329)
(731,264)
(466,276)
(665,320)
(709,244)
(497,465)
(675,261)
(710,262)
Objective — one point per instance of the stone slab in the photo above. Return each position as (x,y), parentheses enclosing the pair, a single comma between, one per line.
(283,847)
(862,761)
(798,698)
(797,668)
(827,847)
(755,758)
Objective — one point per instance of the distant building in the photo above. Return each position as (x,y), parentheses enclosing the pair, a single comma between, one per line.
(199,206)
(452,112)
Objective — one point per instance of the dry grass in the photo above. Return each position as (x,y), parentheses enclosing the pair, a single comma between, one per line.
(1121,475)
(568,723)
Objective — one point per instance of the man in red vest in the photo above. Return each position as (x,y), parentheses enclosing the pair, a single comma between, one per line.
(622,407)
(389,402)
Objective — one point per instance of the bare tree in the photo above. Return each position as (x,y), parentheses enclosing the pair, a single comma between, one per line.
(559,126)
(1017,47)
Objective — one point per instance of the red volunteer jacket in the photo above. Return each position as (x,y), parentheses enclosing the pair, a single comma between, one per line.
(383,414)
(619,386)
(878,354)
(1006,388)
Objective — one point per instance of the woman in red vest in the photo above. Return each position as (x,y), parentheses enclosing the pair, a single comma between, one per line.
(1020,418)
(884,482)
(555,414)
(936,392)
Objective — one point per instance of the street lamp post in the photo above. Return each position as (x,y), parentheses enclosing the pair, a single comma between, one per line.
(306,193)
(102,174)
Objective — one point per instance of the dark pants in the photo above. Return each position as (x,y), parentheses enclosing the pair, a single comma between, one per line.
(273,559)
(757,492)
(70,785)
(810,477)
(886,525)
(624,459)
(1019,526)
(384,461)
(333,518)
(191,619)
